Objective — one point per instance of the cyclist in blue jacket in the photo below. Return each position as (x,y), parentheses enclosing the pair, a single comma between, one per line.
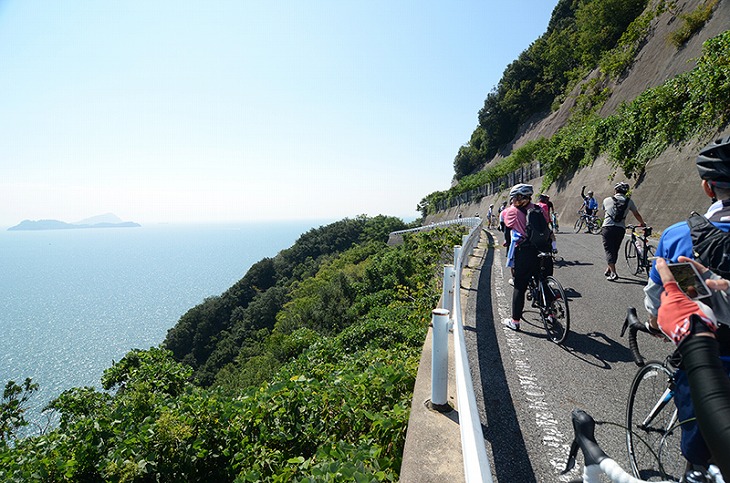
(713,165)
(590,205)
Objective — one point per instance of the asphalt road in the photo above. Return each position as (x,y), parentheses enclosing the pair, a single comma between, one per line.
(526,385)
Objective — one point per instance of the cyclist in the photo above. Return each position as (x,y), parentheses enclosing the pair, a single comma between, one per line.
(614,226)
(590,205)
(522,256)
(502,226)
(693,328)
(548,209)
(713,165)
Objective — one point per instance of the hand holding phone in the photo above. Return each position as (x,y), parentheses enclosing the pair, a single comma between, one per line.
(689,280)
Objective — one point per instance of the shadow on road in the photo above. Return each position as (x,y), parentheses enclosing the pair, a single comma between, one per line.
(501,429)
(596,349)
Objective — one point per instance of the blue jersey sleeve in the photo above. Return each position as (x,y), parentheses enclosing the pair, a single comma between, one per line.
(676,241)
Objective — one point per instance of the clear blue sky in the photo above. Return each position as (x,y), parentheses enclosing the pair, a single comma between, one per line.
(179,111)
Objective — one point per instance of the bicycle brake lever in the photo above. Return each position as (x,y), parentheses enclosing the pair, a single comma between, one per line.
(570,464)
(630,314)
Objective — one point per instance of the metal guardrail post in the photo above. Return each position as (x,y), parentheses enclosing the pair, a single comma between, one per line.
(448,289)
(440,361)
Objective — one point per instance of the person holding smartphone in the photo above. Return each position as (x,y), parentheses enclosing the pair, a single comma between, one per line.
(713,165)
(692,326)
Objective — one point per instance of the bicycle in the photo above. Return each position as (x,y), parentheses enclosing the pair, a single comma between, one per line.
(591,222)
(652,426)
(548,295)
(598,463)
(638,251)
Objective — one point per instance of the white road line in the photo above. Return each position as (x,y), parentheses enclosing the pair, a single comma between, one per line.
(555,442)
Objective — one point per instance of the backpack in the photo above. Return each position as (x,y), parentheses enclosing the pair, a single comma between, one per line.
(538,231)
(711,245)
(619,209)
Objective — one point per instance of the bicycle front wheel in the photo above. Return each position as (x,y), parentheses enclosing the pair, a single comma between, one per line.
(595,226)
(630,253)
(578,225)
(557,315)
(652,434)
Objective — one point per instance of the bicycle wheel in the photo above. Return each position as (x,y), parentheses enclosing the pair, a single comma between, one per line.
(648,260)
(595,226)
(557,317)
(578,225)
(652,434)
(630,253)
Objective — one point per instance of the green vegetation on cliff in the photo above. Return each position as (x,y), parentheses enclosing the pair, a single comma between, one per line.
(685,106)
(578,35)
(318,388)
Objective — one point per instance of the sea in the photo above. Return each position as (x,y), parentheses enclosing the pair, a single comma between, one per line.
(74,301)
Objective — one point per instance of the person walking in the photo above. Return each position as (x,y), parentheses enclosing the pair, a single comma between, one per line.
(616,208)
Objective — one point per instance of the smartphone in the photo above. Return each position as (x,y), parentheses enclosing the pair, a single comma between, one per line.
(689,280)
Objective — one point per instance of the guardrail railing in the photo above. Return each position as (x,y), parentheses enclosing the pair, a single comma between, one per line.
(476,462)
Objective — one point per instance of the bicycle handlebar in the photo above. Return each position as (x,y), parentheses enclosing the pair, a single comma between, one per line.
(584,428)
(596,460)
(646,229)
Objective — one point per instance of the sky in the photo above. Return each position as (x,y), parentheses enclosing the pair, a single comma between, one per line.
(250,110)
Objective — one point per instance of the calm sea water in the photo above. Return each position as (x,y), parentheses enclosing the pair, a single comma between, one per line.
(73,301)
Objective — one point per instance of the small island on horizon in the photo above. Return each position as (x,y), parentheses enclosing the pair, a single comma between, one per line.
(108,220)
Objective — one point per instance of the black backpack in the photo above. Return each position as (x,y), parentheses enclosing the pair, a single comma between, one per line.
(711,245)
(538,231)
(619,209)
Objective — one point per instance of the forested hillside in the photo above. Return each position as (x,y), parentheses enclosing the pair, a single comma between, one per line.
(648,85)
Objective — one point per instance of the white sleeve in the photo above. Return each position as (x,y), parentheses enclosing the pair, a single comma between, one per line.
(652,297)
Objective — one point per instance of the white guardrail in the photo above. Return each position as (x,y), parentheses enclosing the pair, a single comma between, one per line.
(476,462)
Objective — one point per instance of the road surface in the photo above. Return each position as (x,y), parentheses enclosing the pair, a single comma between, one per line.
(527,386)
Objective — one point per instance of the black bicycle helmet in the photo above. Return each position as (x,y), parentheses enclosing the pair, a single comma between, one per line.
(621,187)
(713,162)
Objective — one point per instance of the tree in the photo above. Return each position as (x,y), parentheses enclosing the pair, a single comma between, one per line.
(12,407)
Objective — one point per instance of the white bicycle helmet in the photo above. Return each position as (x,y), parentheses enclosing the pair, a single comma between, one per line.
(521,189)
(621,187)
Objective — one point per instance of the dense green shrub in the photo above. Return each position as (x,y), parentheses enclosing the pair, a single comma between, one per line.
(692,22)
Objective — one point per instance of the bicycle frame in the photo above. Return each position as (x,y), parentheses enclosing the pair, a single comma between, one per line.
(661,404)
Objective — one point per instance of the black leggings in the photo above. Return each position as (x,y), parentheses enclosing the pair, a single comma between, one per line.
(710,390)
(526,264)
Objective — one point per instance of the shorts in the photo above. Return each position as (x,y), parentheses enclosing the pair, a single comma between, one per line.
(612,238)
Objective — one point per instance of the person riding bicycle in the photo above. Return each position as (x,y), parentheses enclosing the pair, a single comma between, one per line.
(590,205)
(692,326)
(616,208)
(713,165)
(522,255)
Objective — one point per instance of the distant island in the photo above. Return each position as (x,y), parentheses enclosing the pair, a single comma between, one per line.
(108,220)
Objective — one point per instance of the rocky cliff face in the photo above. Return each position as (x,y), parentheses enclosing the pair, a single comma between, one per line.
(669,189)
